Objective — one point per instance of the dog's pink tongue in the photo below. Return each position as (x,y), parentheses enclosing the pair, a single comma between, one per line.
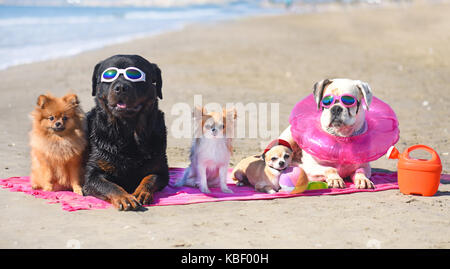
(121,105)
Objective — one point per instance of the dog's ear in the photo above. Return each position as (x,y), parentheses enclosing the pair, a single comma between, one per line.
(318,89)
(197,115)
(230,113)
(229,117)
(234,112)
(198,112)
(42,101)
(95,79)
(263,157)
(157,80)
(366,92)
(71,98)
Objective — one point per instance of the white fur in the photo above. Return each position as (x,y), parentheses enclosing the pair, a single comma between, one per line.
(209,164)
(275,172)
(353,119)
(353,123)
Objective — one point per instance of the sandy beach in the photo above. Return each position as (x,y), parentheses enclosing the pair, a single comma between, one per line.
(402,51)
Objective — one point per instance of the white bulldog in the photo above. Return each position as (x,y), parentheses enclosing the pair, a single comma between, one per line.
(341,102)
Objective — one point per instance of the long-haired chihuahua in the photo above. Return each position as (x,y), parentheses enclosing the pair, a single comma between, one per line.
(211,150)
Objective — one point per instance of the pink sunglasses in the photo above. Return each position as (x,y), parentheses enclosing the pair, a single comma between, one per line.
(347,100)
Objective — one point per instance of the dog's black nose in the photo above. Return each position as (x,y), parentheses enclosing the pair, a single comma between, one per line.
(336,110)
(281,163)
(119,88)
(58,124)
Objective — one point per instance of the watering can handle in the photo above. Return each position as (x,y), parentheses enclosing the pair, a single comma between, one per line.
(434,155)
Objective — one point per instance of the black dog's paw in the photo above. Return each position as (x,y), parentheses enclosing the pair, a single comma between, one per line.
(144,197)
(125,202)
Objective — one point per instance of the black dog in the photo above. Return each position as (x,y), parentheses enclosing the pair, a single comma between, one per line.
(127,159)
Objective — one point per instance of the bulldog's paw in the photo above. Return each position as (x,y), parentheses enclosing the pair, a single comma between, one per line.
(362,182)
(335,181)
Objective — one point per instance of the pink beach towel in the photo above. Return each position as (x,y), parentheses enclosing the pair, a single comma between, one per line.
(185,195)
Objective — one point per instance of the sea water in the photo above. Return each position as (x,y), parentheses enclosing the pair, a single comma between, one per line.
(29,34)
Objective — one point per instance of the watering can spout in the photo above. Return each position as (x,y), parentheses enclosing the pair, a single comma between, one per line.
(392,153)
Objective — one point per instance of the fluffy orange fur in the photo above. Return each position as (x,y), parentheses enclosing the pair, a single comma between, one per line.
(58,142)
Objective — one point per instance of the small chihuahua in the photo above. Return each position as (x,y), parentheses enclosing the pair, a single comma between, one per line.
(263,172)
(211,150)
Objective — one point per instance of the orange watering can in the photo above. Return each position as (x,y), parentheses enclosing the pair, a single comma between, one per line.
(417,176)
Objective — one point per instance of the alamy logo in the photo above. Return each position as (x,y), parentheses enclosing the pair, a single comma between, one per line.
(254,120)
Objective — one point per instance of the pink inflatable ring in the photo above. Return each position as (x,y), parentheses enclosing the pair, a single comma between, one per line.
(382,132)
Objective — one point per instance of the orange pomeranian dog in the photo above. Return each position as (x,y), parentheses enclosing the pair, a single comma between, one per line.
(58,143)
